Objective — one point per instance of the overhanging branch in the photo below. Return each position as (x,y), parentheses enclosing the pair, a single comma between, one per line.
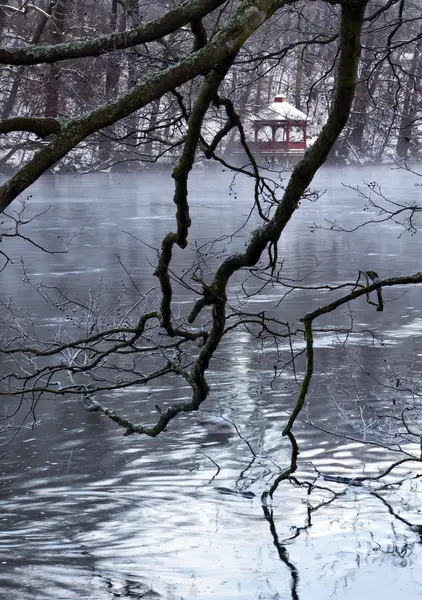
(308,319)
(41,127)
(169,22)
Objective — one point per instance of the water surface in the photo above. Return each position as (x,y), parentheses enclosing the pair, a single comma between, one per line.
(89,513)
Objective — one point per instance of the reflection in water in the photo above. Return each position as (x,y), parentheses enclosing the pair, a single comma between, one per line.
(282,552)
(89,513)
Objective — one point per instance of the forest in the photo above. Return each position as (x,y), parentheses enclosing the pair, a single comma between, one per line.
(296,52)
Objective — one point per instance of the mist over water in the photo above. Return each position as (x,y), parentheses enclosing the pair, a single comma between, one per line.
(89,513)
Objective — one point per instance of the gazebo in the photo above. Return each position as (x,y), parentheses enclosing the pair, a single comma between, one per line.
(279,129)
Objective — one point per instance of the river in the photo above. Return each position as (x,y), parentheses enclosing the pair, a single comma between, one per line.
(88,513)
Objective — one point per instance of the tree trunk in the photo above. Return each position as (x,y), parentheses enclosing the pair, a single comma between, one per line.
(53,85)
(20,71)
(149,148)
(2,22)
(364,92)
(133,19)
(105,144)
(408,116)
(299,69)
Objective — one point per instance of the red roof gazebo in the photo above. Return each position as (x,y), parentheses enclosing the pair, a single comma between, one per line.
(279,128)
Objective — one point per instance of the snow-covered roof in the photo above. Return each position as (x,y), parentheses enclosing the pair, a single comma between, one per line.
(279,110)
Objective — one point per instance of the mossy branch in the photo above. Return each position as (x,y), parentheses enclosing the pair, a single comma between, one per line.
(308,376)
(180,198)
(41,127)
(159,28)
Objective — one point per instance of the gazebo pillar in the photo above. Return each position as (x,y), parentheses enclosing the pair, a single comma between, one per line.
(288,137)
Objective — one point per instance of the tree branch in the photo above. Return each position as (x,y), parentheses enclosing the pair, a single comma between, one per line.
(169,22)
(41,127)
(308,319)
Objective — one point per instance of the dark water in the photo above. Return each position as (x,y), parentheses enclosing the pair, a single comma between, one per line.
(89,513)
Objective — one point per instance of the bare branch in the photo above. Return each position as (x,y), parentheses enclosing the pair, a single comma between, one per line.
(169,22)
